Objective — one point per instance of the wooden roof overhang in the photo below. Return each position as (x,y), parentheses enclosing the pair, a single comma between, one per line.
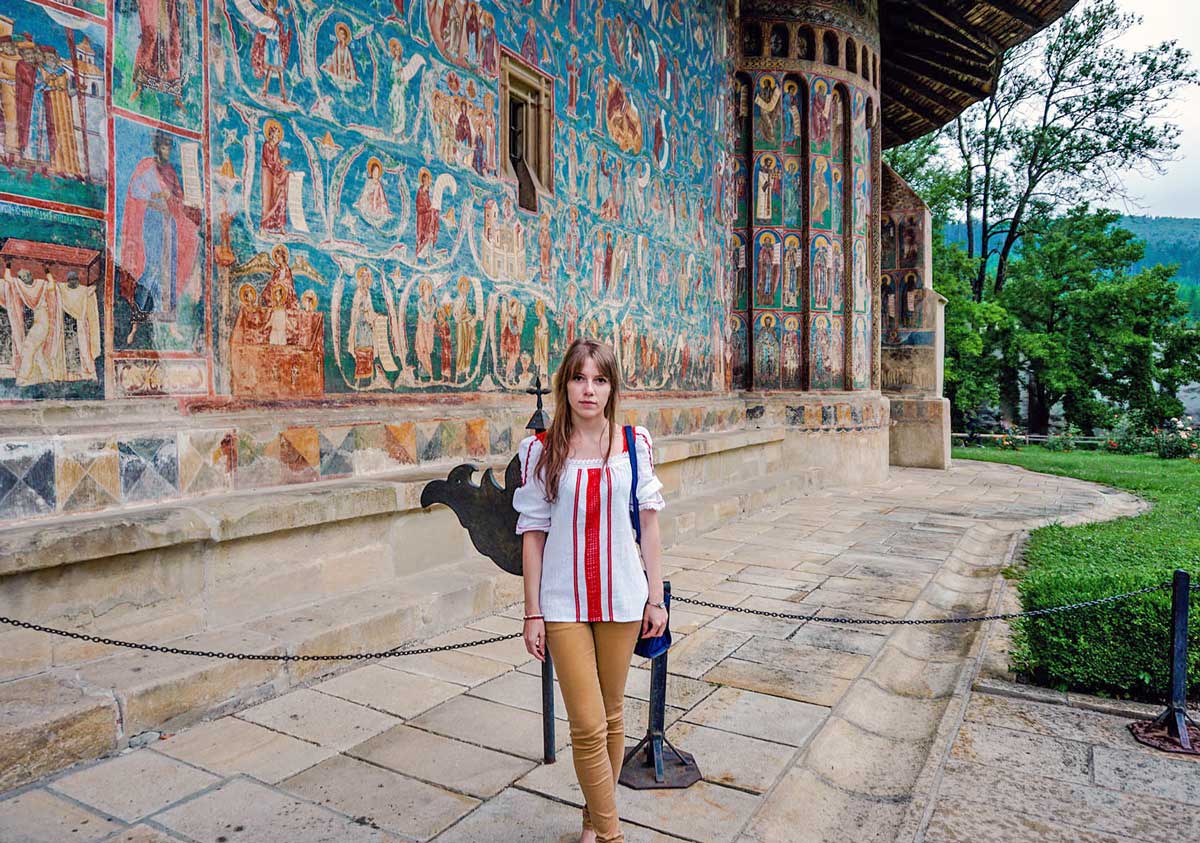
(937,57)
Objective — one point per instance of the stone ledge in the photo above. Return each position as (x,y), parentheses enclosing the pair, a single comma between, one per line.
(65,540)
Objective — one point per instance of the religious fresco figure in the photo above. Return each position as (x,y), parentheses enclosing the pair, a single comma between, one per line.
(362,327)
(427,214)
(512,325)
(821,200)
(791,271)
(623,120)
(426,317)
(793,194)
(529,45)
(158,64)
(37,341)
(767,111)
(793,131)
(465,319)
(445,349)
(821,270)
(837,131)
(766,346)
(820,118)
(397,99)
(372,201)
(887,241)
(280,290)
(160,239)
(340,64)
(768,195)
(790,354)
(574,69)
(271,47)
(274,179)
(837,276)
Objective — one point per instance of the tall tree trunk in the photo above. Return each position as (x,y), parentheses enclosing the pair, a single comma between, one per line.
(1039,408)
(1009,384)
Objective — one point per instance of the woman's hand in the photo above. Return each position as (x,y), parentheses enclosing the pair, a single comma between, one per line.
(535,638)
(654,621)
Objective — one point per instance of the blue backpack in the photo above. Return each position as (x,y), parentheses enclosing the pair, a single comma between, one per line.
(647,648)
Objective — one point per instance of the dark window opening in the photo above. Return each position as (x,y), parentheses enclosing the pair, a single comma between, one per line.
(779,41)
(831,49)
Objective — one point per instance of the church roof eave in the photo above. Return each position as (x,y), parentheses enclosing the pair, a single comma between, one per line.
(939,57)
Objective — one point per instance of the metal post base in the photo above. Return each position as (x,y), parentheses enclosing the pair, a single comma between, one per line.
(1171,731)
(659,769)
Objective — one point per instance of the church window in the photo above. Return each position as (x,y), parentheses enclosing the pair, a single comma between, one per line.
(851,56)
(779,41)
(526,129)
(831,49)
(806,44)
(752,40)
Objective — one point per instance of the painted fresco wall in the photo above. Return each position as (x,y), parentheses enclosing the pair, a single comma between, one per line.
(282,199)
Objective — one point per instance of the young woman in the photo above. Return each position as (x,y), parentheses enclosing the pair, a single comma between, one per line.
(587,596)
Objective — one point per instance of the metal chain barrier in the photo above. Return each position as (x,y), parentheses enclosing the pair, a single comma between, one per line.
(260,657)
(1034,613)
(400,651)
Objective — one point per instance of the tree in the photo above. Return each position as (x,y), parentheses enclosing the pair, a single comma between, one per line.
(1086,331)
(1070,113)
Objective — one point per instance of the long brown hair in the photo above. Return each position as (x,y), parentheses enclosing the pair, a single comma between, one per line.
(557,444)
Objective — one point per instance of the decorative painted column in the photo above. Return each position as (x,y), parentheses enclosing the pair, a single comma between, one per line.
(805,249)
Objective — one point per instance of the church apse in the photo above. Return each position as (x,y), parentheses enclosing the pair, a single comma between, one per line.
(804,249)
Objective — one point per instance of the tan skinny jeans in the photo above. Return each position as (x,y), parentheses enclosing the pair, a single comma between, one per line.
(592,663)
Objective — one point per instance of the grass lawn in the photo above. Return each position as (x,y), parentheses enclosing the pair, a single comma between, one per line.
(1118,650)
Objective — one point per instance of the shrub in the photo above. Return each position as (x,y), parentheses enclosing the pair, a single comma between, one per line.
(1118,649)
(1008,442)
(1177,439)
(1064,441)
(1131,435)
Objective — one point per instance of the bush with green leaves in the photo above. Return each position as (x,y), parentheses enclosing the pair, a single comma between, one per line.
(1118,649)
(1064,441)
(1177,439)
(1131,435)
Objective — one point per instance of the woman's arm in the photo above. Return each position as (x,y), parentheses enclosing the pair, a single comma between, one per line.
(654,619)
(533,543)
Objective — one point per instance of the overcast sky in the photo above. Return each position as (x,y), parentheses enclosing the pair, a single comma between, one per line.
(1176,194)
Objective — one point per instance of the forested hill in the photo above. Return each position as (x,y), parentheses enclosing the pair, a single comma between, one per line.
(1168,240)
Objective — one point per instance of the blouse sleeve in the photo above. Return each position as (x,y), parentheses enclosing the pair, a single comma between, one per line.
(649,488)
(529,500)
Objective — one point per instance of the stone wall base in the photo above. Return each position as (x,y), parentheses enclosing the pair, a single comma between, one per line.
(920,432)
(346,565)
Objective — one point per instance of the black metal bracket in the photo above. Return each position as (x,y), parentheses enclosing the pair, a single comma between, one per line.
(1174,730)
(663,765)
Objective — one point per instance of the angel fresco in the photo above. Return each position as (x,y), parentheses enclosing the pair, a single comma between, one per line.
(402,74)
(272,44)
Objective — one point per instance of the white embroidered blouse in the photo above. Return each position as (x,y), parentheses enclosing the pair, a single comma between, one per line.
(591,568)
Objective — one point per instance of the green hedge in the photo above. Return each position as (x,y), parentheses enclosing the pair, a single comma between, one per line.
(1120,649)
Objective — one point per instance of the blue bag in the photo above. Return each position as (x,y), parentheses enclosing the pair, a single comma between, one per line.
(647,648)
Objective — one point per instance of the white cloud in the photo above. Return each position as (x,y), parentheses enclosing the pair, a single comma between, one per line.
(1177,193)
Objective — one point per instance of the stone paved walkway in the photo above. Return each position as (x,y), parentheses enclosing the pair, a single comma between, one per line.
(810,732)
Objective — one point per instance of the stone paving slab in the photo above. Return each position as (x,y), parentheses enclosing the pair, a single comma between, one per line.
(383,798)
(136,785)
(230,746)
(805,731)
(455,765)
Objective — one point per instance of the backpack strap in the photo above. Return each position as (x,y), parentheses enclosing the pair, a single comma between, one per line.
(635,511)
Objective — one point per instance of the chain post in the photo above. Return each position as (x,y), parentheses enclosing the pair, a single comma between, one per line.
(548,749)
(1169,731)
